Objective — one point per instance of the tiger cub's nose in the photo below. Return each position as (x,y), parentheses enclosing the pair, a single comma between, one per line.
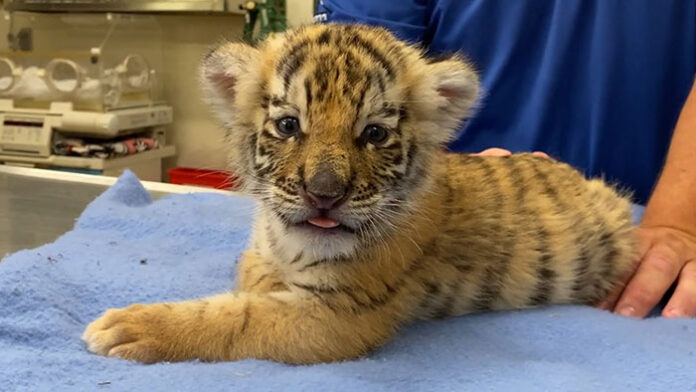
(325,189)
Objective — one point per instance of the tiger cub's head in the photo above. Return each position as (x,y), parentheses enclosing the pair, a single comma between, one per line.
(333,127)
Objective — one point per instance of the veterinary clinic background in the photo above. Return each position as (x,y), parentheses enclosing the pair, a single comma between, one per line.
(93,88)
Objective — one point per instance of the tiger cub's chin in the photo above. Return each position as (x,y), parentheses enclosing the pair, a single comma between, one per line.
(321,243)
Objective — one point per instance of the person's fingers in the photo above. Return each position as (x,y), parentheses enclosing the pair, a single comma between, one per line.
(656,273)
(644,243)
(500,152)
(609,302)
(683,301)
(493,152)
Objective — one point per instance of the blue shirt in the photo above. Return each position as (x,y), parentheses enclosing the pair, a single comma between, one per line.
(596,83)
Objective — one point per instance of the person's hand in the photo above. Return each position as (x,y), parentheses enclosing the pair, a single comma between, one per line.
(499,152)
(666,255)
(667,233)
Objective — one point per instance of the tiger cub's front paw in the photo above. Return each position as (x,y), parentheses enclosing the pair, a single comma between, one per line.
(136,332)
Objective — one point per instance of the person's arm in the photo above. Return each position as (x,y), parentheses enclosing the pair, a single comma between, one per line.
(667,233)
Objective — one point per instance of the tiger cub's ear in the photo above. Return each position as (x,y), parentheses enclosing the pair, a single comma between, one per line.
(450,88)
(225,72)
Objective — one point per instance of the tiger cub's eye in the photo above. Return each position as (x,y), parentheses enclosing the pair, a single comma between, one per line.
(288,126)
(375,134)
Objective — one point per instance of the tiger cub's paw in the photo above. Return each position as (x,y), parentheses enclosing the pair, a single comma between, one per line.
(136,332)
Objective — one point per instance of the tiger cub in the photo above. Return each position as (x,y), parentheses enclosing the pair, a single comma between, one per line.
(365,223)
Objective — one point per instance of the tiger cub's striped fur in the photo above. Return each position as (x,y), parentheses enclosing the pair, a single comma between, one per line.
(365,224)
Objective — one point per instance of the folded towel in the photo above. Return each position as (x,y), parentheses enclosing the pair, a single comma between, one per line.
(126,248)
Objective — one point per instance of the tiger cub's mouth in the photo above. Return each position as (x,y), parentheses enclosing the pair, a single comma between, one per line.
(311,227)
(323,223)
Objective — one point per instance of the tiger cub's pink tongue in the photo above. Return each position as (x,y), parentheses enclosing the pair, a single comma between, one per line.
(323,222)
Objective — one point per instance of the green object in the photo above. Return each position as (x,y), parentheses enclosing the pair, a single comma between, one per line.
(270,15)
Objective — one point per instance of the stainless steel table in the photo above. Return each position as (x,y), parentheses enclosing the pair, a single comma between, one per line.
(37,206)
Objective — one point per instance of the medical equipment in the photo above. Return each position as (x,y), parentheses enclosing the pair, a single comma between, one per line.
(98,90)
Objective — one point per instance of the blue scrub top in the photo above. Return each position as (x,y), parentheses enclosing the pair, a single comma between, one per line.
(596,83)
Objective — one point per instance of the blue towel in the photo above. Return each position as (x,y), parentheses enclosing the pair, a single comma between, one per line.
(125,248)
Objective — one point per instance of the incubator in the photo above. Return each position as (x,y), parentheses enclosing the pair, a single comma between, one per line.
(85,94)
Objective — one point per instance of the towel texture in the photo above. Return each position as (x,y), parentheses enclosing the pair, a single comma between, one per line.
(125,248)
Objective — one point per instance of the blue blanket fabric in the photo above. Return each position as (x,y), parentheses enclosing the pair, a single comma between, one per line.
(125,249)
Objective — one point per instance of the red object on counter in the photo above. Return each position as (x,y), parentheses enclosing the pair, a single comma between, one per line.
(198,177)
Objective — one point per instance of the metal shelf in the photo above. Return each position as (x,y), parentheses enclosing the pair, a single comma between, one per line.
(130,6)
